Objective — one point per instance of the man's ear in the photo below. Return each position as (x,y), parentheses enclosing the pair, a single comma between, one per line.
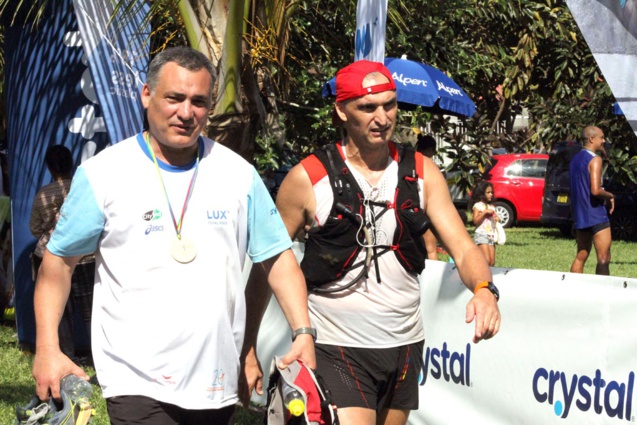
(339,107)
(145,95)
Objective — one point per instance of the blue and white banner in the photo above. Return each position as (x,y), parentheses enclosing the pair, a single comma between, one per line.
(610,30)
(565,352)
(116,46)
(371,19)
(48,91)
(53,98)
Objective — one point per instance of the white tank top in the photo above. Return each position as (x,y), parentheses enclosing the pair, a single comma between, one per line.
(369,314)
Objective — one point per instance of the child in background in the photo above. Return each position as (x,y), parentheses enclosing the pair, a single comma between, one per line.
(484,218)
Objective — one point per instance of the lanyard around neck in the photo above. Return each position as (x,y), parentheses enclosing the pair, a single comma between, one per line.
(191,187)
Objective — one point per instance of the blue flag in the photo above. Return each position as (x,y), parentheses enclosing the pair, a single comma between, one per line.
(116,45)
(46,95)
(53,98)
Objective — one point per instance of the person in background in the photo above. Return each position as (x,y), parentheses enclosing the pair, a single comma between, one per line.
(44,216)
(171,230)
(364,298)
(484,218)
(588,203)
(6,274)
(426,145)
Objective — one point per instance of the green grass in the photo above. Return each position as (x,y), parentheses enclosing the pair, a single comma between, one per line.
(17,386)
(16,383)
(530,247)
(540,248)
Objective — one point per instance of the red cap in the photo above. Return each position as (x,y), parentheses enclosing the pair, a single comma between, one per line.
(349,80)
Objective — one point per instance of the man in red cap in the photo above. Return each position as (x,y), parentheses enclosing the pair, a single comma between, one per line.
(363,204)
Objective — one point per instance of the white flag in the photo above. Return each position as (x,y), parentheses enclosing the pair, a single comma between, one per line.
(371,17)
(610,30)
(117,53)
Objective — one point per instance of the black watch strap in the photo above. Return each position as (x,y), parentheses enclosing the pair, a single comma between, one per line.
(304,330)
(494,291)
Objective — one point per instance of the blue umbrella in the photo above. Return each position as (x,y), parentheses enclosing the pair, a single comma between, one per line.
(422,85)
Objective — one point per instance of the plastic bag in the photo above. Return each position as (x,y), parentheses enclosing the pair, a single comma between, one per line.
(500,235)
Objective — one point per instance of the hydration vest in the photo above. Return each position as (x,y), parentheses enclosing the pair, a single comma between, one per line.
(331,249)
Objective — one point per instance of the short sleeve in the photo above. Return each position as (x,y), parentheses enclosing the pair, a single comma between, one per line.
(81,221)
(267,235)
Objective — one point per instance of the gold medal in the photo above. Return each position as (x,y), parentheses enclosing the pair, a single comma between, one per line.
(183,250)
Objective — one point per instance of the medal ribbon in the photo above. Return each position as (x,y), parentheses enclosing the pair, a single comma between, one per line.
(191,186)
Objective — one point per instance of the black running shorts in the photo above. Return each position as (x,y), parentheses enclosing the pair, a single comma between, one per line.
(372,378)
(596,228)
(132,409)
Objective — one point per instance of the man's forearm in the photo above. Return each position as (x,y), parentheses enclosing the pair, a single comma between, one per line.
(52,290)
(258,296)
(288,285)
(604,195)
(472,267)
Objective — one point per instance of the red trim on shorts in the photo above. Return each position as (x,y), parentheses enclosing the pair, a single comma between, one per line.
(405,368)
(351,370)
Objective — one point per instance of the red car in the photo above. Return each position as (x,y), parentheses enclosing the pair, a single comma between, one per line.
(518,183)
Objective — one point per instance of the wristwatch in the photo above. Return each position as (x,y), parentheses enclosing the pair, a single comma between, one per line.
(494,290)
(300,331)
(490,286)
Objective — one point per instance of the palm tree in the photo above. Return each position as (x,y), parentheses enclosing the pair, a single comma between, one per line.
(245,40)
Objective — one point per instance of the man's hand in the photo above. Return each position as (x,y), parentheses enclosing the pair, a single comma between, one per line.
(252,379)
(49,367)
(611,201)
(483,307)
(302,349)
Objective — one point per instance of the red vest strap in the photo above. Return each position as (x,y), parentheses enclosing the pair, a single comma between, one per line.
(420,164)
(314,168)
(316,171)
(393,152)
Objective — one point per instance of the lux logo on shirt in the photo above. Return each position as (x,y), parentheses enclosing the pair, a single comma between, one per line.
(217,214)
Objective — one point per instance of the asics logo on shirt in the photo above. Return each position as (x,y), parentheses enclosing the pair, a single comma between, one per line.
(152,228)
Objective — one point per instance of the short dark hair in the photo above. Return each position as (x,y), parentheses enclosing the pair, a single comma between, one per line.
(425,142)
(59,160)
(185,57)
(588,132)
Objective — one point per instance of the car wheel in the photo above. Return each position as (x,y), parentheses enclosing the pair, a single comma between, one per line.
(622,225)
(506,214)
